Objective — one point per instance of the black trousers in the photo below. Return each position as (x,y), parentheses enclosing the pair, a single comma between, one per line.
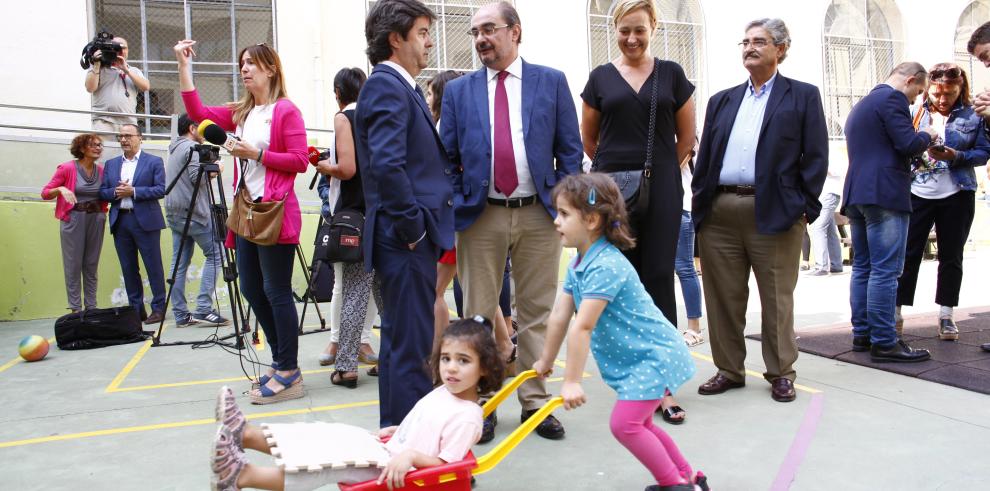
(952,217)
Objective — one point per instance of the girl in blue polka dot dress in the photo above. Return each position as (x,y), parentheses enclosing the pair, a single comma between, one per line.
(639,353)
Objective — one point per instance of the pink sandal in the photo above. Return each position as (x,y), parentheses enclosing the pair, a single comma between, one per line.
(230,416)
(226,460)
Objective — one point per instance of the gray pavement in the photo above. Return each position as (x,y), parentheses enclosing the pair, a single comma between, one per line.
(130,417)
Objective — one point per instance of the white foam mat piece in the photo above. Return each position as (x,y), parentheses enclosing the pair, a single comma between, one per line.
(301,447)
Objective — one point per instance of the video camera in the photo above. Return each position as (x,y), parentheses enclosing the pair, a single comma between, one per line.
(207,153)
(103,42)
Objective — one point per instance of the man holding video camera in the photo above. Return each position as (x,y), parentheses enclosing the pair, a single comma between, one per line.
(114,88)
(177,204)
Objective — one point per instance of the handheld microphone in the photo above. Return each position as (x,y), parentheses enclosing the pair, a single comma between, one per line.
(315,156)
(214,134)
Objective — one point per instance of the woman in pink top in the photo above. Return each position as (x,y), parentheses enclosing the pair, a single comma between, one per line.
(271,151)
(83,217)
(441,428)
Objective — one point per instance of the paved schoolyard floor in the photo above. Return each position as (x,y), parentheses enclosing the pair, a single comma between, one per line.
(135,417)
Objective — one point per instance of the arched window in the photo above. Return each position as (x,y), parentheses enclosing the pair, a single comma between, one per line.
(863,42)
(453,48)
(679,37)
(972,17)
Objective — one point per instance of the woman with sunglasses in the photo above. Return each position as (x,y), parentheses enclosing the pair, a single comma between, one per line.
(943,190)
(75,187)
(271,151)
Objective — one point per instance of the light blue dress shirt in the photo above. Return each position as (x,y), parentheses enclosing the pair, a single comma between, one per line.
(739,163)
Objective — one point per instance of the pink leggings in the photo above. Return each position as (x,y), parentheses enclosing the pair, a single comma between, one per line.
(632,425)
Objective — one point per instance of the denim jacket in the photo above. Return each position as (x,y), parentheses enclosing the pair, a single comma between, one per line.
(965,133)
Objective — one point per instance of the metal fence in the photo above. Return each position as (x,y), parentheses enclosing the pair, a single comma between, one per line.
(975,14)
(679,37)
(862,43)
(453,47)
(152,27)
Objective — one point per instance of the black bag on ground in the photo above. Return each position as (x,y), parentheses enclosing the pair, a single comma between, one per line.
(96,328)
(340,239)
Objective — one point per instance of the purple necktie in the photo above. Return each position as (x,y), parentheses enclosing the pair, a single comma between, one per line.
(506,179)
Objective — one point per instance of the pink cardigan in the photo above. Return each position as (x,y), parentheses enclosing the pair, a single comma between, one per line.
(285,157)
(65,175)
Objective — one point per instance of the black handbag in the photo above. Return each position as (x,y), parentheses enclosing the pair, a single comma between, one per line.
(634,185)
(339,241)
(96,328)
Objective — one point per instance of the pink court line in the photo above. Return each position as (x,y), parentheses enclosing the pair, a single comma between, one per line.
(799,447)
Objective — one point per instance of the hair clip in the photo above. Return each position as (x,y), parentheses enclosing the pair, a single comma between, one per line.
(592,198)
(481,320)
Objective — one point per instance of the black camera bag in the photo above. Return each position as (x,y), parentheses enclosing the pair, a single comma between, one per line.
(340,240)
(96,328)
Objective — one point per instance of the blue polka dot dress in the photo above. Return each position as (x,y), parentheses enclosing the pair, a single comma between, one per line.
(639,353)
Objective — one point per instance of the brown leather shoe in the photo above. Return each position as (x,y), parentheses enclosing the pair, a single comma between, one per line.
(155,318)
(782,390)
(718,384)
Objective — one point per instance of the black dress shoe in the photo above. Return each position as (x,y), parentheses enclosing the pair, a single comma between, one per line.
(947,330)
(861,343)
(782,390)
(550,428)
(718,384)
(985,347)
(488,428)
(900,352)
(155,318)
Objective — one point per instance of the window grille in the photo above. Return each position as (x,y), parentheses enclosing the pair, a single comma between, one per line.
(863,41)
(972,17)
(220,27)
(679,37)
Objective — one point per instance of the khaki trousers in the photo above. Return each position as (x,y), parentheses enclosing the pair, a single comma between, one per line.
(528,233)
(730,246)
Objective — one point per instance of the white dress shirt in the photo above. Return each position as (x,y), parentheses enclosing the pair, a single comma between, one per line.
(402,71)
(513,90)
(127,175)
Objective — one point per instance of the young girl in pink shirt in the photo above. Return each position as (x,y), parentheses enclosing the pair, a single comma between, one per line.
(441,428)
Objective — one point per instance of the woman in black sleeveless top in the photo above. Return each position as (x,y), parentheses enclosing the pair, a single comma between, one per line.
(614,128)
(357,285)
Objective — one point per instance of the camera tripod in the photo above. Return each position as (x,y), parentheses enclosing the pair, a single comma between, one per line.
(209,156)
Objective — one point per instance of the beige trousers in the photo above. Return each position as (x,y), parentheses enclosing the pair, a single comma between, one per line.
(528,233)
(730,247)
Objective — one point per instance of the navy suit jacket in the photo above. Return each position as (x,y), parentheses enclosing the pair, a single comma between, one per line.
(149,187)
(881,140)
(791,156)
(550,132)
(402,164)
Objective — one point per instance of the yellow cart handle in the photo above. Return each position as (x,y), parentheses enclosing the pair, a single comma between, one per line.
(504,392)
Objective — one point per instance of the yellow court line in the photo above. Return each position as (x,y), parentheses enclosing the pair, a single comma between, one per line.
(177,424)
(19,359)
(756,374)
(119,379)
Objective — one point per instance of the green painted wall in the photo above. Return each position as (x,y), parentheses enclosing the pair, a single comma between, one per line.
(32,283)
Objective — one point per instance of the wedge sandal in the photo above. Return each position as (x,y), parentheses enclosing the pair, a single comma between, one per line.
(291,389)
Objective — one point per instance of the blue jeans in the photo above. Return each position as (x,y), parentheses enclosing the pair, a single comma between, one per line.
(879,237)
(266,283)
(825,236)
(201,235)
(684,267)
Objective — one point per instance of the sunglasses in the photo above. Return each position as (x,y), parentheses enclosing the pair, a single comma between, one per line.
(945,73)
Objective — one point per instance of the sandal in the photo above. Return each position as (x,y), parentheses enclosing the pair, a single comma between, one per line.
(327,359)
(369,358)
(263,380)
(230,416)
(337,378)
(226,460)
(693,338)
(291,389)
(669,414)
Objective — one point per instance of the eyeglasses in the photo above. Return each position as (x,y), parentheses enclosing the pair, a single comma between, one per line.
(487,30)
(945,73)
(124,137)
(96,144)
(756,43)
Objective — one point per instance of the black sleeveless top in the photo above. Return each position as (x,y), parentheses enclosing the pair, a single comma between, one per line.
(351,193)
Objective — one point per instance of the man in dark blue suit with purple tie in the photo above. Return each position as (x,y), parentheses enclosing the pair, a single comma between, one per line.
(410,215)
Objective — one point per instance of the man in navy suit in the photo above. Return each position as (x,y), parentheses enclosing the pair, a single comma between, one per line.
(133,183)
(511,132)
(410,215)
(761,165)
(881,140)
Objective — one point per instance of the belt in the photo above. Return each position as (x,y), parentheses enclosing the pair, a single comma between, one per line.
(125,210)
(513,202)
(741,190)
(88,206)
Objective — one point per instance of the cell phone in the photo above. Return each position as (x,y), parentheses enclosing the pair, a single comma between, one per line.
(938,148)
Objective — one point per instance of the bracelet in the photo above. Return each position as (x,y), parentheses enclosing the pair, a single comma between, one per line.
(260,152)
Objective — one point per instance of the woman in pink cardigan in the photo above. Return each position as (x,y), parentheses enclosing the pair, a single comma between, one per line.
(271,152)
(75,187)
